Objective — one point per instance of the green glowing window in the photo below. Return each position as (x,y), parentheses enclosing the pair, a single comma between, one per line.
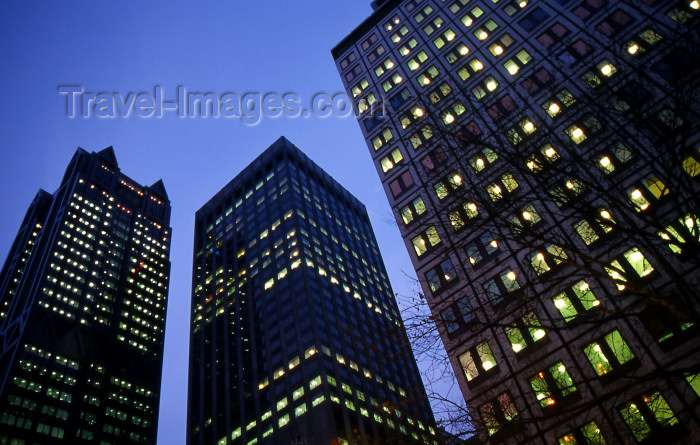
(526,331)
(588,434)
(552,384)
(576,300)
(647,414)
(608,353)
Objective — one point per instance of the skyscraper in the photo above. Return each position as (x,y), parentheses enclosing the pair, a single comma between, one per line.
(541,158)
(296,336)
(83,296)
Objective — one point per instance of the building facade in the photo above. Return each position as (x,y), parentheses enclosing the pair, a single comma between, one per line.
(296,336)
(83,296)
(541,159)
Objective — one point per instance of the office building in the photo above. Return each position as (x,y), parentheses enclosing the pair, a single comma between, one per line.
(296,336)
(541,159)
(83,295)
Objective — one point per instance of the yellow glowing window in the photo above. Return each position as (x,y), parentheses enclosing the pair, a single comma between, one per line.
(576,134)
(477,360)
(691,166)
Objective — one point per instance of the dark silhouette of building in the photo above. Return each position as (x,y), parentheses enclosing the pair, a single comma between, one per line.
(83,296)
(541,159)
(296,336)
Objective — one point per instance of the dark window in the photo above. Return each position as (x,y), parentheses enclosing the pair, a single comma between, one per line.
(355,71)
(400,98)
(665,326)
(498,413)
(588,7)
(401,184)
(536,17)
(502,107)
(347,60)
(536,81)
(371,57)
(614,23)
(369,41)
(373,121)
(553,34)
(457,315)
(434,159)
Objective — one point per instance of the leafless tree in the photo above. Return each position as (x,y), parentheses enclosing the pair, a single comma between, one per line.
(599,181)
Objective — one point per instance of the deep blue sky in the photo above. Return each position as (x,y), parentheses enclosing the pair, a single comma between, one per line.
(219,46)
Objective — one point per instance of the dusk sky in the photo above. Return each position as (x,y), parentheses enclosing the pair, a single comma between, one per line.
(215,46)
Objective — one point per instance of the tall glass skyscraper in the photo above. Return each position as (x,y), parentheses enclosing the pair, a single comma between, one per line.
(542,159)
(296,335)
(83,296)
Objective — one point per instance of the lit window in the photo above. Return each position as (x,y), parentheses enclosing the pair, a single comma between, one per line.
(452,112)
(406,49)
(413,210)
(674,239)
(480,162)
(606,68)
(496,288)
(477,361)
(433,26)
(525,332)
(382,139)
(389,162)
(445,186)
(483,32)
(423,14)
(513,65)
(691,166)
(647,414)
(575,300)
(456,53)
(552,384)
(281,404)
(428,76)
(499,46)
(588,433)
(398,35)
(388,26)
(441,275)
(576,134)
(415,62)
(426,241)
(472,15)
(506,184)
(483,247)
(608,353)
(638,262)
(694,381)
(444,39)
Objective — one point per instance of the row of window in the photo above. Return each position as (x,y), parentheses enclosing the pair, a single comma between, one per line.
(646,415)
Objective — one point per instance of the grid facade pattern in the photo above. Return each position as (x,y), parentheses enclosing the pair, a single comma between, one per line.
(83,301)
(296,334)
(495,126)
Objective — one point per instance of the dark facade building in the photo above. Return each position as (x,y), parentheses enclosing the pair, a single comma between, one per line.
(83,296)
(296,336)
(541,158)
